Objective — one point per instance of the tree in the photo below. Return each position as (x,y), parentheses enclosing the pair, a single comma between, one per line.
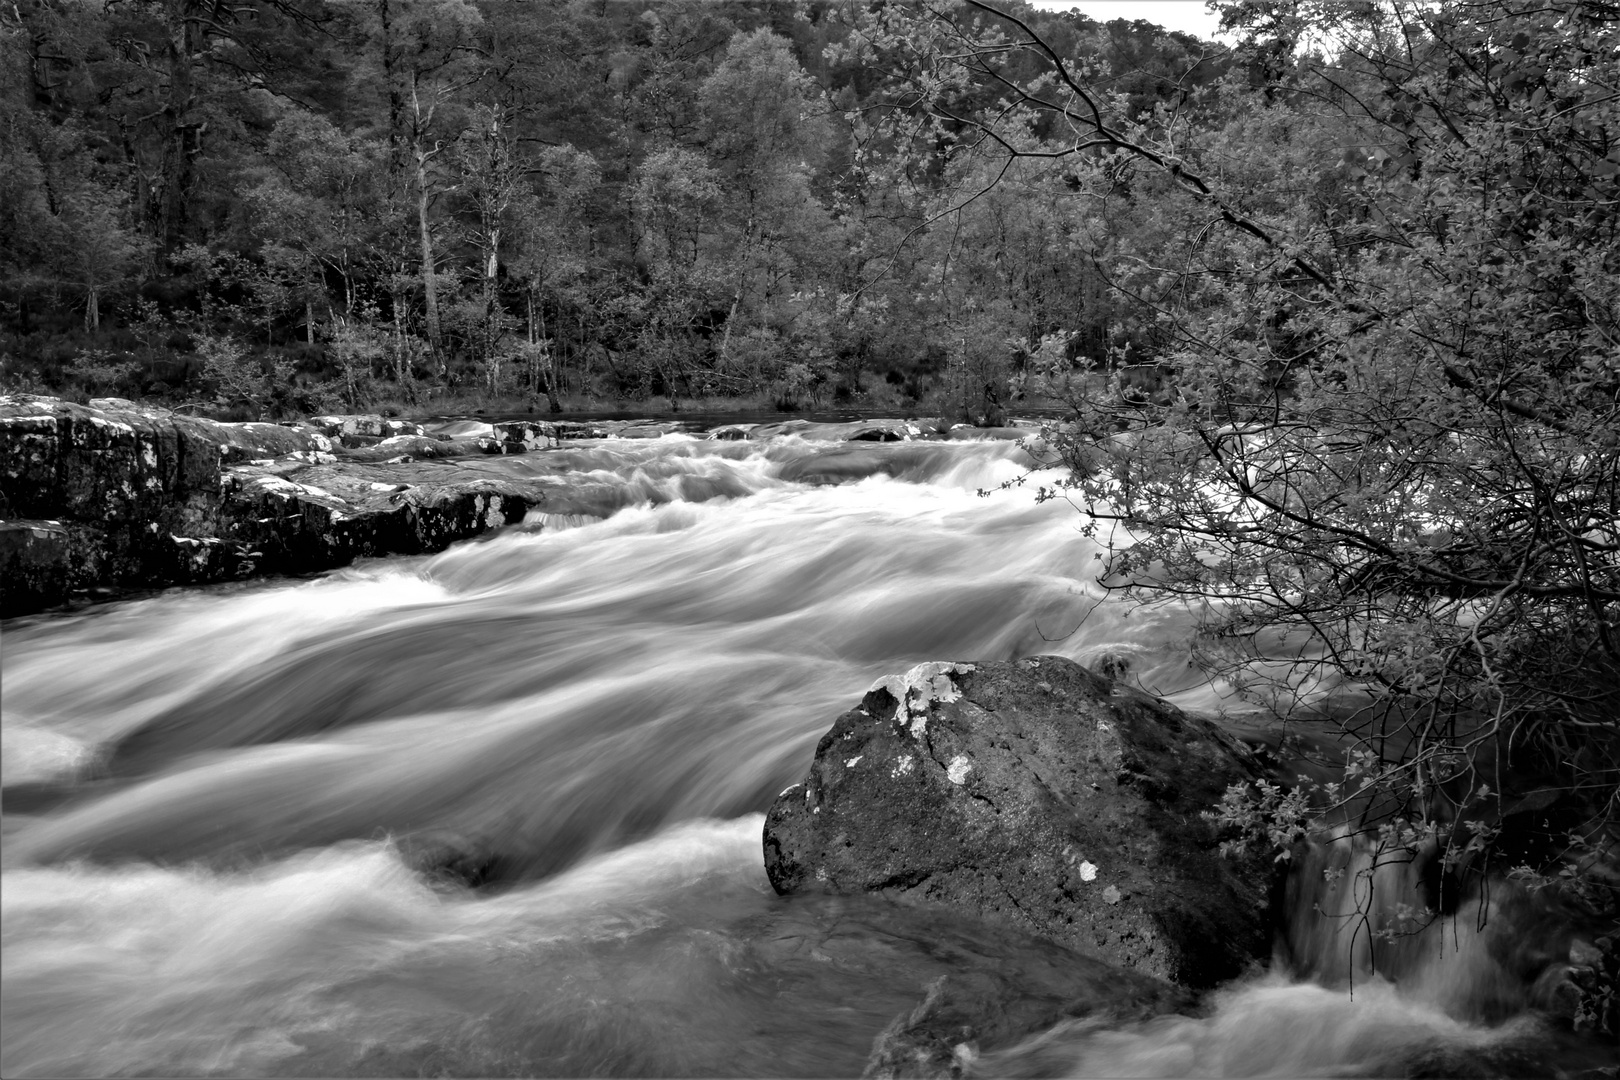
(761,127)
(677,201)
(491,169)
(425,52)
(239,377)
(553,240)
(322,195)
(85,244)
(1387,466)
(182,62)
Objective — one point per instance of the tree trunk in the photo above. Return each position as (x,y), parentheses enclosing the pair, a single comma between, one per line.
(421,123)
(551,375)
(491,303)
(725,337)
(553,378)
(309,321)
(737,295)
(92,309)
(168,212)
(396,98)
(430,287)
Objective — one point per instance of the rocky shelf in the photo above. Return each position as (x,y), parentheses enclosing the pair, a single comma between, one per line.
(116,495)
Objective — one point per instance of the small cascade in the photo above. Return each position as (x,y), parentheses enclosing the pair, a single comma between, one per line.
(1378,973)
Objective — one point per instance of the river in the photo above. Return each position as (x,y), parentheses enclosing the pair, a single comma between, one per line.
(217,867)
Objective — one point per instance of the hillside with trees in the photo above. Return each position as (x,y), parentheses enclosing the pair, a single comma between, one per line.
(290,205)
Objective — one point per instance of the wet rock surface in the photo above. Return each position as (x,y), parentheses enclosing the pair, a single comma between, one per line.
(119,496)
(327,515)
(1036,794)
(966,1013)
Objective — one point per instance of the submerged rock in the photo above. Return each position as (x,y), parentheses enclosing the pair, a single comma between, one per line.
(965,1013)
(732,432)
(518,436)
(447,857)
(365,425)
(1036,794)
(130,496)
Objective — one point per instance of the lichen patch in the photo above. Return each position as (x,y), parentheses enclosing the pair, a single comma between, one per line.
(493,517)
(919,690)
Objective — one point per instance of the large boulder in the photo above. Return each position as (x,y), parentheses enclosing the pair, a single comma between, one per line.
(1038,794)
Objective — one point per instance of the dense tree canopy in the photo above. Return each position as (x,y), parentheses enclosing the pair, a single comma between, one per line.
(403,198)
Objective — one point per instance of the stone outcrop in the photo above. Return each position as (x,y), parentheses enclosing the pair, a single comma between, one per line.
(1036,794)
(118,495)
(330,515)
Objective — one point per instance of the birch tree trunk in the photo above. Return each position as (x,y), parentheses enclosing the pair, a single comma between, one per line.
(421,120)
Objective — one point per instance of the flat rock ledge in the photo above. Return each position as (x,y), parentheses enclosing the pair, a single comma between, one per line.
(116,495)
(1040,795)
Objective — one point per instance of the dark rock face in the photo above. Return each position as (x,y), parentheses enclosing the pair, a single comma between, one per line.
(333,514)
(1038,794)
(39,560)
(127,496)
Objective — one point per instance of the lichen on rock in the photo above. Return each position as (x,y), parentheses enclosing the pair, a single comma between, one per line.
(920,689)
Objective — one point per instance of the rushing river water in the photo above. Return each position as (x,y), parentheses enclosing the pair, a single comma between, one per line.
(218,867)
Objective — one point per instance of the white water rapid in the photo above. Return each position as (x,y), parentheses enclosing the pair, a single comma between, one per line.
(225,798)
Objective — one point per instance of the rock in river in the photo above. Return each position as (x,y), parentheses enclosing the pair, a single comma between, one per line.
(1038,794)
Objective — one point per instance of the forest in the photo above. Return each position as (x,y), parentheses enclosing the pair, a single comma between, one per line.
(282,206)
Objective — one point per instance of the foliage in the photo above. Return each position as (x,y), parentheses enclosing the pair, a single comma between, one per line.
(102,372)
(283,169)
(240,378)
(1385,464)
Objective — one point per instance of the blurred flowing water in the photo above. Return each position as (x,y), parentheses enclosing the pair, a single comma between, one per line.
(225,802)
